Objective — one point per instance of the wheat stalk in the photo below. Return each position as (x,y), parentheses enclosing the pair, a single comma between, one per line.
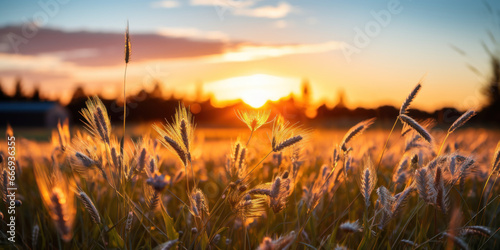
(354,131)
(476,230)
(34,236)
(128,223)
(368,181)
(60,214)
(90,207)
(459,242)
(168,245)
(287,143)
(409,99)
(462,120)
(128,51)
(417,127)
(458,123)
(351,227)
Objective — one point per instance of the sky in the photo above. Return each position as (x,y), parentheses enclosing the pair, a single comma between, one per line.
(373,51)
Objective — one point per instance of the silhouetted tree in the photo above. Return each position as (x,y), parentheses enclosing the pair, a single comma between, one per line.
(157,91)
(341,101)
(491,111)
(492,91)
(199,91)
(36,94)
(78,94)
(3,95)
(18,94)
(306,92)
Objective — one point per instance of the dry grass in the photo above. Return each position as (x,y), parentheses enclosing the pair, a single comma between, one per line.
(252,196)
(286,187)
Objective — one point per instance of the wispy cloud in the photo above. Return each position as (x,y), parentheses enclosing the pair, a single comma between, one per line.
(248,8)
(75,54)
(258,52)
(41,63)
(168,4)
(268,11)
(100,52)
(192,33)
(224,3)
(100,49)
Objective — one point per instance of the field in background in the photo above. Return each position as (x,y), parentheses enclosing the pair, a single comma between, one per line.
(318,205)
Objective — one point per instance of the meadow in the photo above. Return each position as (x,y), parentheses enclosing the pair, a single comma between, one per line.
(276,185)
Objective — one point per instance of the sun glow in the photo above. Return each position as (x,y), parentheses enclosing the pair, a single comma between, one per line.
(254,90)
(256,98)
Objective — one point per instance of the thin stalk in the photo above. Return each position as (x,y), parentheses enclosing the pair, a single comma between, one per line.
(484,188)
(473,217)
(250,137)
(218,203)
(124,115)
(311,212)
(493,234)
(245,239)
(187,181)
(495,216)
(488,196)
(192,173)
(124,98)
(413,213)
(386,141)
(442,144)
(256,165)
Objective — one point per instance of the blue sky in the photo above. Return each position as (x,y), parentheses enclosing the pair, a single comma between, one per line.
(417,41)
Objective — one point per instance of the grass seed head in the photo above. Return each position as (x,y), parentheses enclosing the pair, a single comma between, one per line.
(355,131)
(253,119)
(409,99)
(417,127)
(351,227)
(128,48)
(90,207)
(462,120)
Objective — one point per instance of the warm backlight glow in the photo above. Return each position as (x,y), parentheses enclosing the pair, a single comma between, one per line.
(254,90)
(256,98)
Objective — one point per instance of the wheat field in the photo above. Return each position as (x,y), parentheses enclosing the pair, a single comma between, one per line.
(276,185)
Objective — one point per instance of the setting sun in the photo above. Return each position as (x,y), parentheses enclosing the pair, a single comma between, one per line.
(249,124)
(256,98)
(254,90)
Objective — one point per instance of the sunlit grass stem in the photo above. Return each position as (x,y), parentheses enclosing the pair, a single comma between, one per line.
(249,138)
(124,98)
(258,164)
(442,144)
(386,142)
